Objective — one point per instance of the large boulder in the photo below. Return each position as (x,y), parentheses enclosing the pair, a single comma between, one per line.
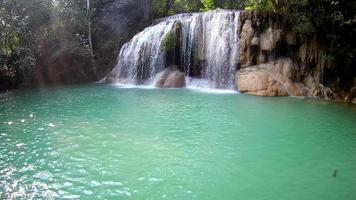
(275,78)
(259,83)
(171,77)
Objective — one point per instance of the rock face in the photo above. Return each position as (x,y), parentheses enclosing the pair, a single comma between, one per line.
(271,79)
(351,98)
(277,78)
(171,77)
(116,21)
(269,39)
(275,61)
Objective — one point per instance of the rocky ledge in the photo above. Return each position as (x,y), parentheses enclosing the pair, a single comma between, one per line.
(277,78)
(275,61)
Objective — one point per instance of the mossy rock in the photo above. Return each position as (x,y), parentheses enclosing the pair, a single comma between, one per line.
(171,39)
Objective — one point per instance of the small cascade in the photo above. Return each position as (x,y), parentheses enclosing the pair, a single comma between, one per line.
(205,48)
(210,42)
(141,58)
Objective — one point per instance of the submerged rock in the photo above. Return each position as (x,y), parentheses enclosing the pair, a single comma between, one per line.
(170,78)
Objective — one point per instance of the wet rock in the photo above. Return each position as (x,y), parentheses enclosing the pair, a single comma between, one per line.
(170,78)
(351,97)
(322,92)
(171,45)
(172,39)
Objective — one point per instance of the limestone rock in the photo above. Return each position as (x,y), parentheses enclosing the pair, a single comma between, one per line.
(255,41)
(259,83)
(170,78)
(269,39)
(271,79)
(321,92)
(351,96)
(246,36)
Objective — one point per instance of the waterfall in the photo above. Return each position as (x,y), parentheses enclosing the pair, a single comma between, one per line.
(208,44)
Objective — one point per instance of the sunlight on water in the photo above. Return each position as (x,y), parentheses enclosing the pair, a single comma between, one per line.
(101,141)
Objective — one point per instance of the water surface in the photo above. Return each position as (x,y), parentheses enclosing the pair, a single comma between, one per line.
(100,141)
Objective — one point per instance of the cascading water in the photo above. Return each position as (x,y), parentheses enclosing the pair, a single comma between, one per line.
(141,58)
(208,50)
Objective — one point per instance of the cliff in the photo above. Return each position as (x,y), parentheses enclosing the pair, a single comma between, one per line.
(275,61)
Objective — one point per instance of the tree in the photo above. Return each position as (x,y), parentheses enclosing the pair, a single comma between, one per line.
(169,4)
(208,5)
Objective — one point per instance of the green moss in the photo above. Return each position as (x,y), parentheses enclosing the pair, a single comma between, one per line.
(169,41)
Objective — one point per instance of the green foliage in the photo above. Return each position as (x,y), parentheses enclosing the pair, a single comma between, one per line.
(31,28)
(261,5)
(187,6)
(208,5)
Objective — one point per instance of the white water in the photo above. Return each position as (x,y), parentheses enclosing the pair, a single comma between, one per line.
(142,52)
(209,41)
(213,36)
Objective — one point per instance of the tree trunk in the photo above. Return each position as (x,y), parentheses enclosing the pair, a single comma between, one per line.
(169,4)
